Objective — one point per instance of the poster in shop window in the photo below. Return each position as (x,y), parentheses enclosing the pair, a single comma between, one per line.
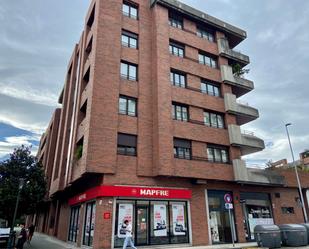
(159,213)
(179,227)
(125,213)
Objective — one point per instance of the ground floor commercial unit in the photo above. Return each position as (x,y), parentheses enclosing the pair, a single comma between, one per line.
(189,213)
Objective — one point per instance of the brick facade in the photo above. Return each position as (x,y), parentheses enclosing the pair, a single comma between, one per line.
(81,148)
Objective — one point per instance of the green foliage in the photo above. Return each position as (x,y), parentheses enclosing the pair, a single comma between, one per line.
(239,71)
(21,164)
(79,152)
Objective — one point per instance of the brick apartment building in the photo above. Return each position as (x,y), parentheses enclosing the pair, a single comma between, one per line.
(149,130)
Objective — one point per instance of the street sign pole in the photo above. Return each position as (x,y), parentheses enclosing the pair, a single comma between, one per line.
(231,225)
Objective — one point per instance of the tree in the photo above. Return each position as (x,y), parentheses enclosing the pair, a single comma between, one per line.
(21,164)
(239,71)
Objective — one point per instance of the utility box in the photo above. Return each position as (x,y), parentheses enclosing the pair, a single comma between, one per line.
(293,235)
(267,236)
(306,225)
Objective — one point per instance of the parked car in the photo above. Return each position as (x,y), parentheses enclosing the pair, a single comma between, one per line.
(4,237)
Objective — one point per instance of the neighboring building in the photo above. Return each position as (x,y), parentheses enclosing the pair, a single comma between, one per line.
(302,162)
(149,131)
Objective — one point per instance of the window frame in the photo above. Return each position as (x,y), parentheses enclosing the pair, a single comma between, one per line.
(123,149)
(214,149)
(181,152)
(213,62)
(213,85)
(206,33)
(130,36)
(127,109)
(130,6)
(174,74)
(210,123)
(127,76)
(175,20)
(177,49)
(182,107)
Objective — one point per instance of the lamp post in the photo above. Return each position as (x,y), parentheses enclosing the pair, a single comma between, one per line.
(11,240)
(296,172)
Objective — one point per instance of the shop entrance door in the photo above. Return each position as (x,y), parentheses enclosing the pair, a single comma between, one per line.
(142,225)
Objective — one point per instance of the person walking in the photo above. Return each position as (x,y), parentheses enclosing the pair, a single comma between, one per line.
(128,240)
(22,238)
(30,232)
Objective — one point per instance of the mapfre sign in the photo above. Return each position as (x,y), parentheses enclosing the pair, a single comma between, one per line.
(131,191)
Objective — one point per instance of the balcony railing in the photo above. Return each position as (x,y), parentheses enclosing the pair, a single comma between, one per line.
(224,50)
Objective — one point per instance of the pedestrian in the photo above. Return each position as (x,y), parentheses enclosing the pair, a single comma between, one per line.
(30,232)
(22,238)
(128,240)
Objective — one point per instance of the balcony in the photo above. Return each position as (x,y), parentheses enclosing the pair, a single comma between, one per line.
(244,113)
(240,86)
(238,57)
(246,141)
(256,176)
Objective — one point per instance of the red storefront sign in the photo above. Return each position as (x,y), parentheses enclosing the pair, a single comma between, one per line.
(107,216)
(128,191)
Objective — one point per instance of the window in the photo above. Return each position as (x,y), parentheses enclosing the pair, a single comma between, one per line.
(180,112)
(178,78)
(213,120)
(127,106)
(89,224)
(129,39)
(182,148)
(206,34)
(74,224)
(175,20)
(177,49)
(126,144)
(130,10)
(128,71)
(207,60)
(217,154)
(287,210)
(210,89)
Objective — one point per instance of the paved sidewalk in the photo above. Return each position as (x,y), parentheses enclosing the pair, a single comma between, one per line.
(42,241)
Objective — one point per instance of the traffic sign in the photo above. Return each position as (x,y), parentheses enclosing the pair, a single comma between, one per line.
(228,206)
(228,198)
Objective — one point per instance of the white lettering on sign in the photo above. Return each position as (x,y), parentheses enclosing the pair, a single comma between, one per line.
(154,192)
(82,197)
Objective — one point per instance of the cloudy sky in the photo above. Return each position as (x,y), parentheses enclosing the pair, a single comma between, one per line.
(37,38)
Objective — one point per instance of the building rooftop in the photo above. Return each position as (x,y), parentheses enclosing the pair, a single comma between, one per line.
(235,35)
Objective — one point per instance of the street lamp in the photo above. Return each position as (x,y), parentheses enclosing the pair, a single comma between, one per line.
(11,240)
(296,172)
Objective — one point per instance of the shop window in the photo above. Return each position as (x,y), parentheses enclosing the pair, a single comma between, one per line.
(287,210)
(74,224)
(89,224)
(153,222)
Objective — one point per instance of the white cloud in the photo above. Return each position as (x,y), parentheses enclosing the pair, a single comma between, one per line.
(10,143)
(26,93)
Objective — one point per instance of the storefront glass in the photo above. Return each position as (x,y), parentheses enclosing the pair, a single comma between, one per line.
(89,224)
(257,211)
(154,222)
(74,224)
(219,222)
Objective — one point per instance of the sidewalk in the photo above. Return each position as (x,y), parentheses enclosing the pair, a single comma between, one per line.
(42,241)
